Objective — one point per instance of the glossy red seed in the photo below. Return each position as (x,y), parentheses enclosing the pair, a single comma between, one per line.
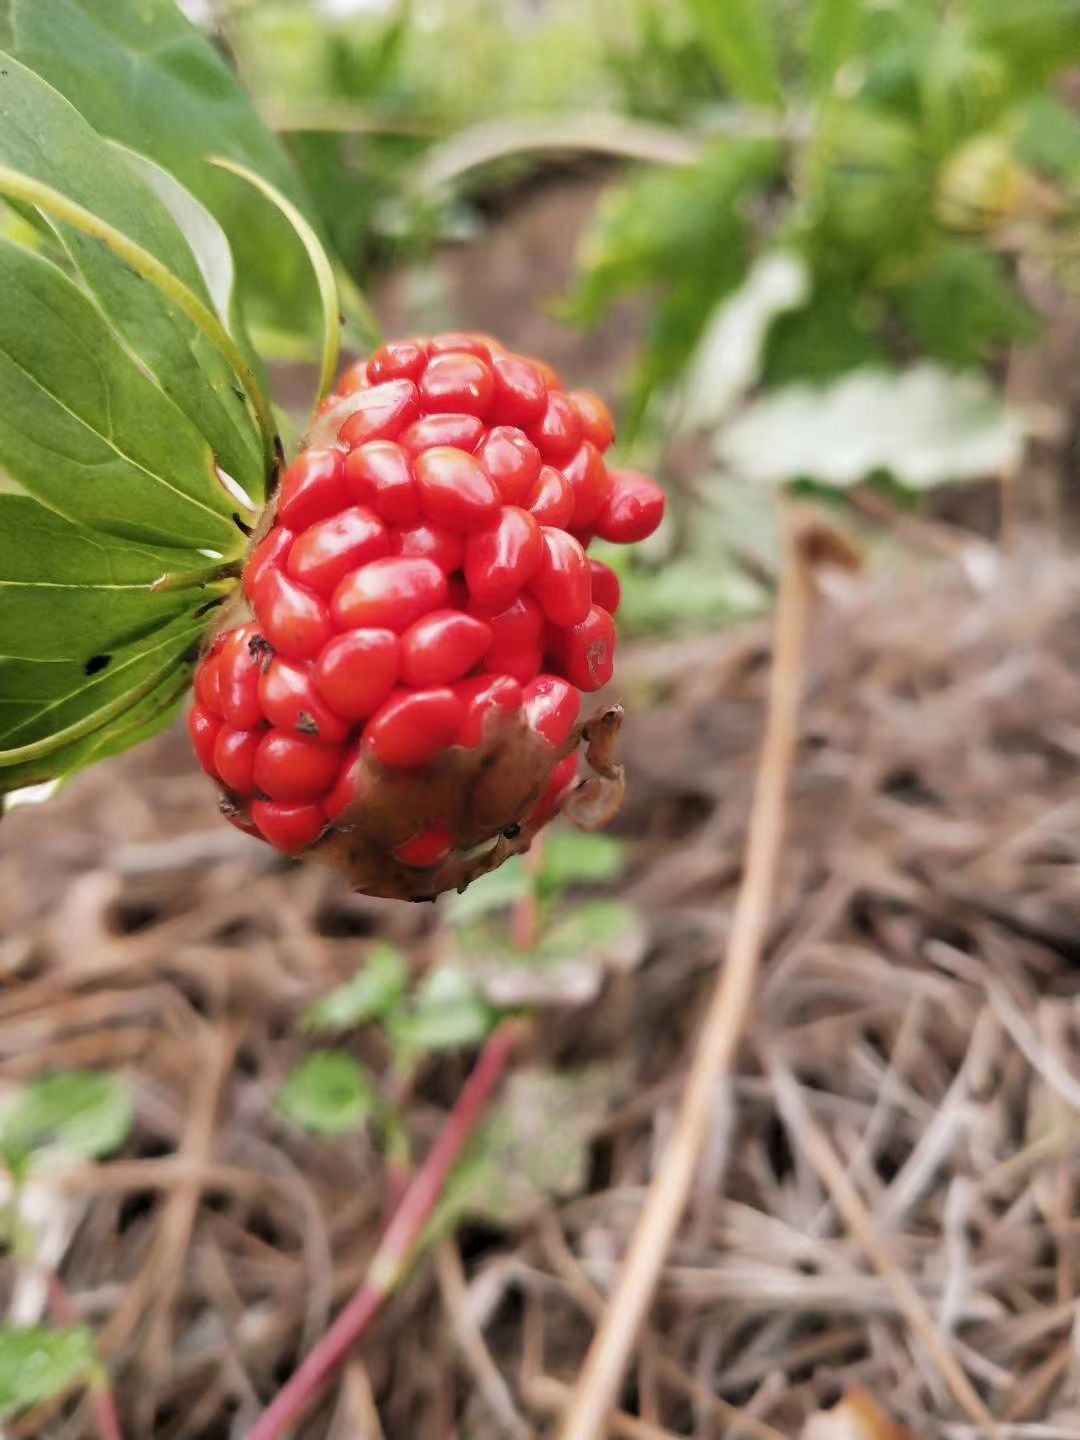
(357,671)
(346,789)
(520,393)
(562,583)
(430,847)
(294,619)
(586,653)
(591,483)
(484,696)
(207,677)
(502,559)
(632,511)
(355,378)
(413,726)
(551,707)
(562,781)
(234,758)
(399,360)
(550,376)
(462,432)
(238,679)
(551,501)
(455,491)
(312,488)
(203,727)
(515,648)
(446,548)
(293,767)
(457,382)
(606,586)
(512,461)
(466,342)
(290,828)
(379,475)
(595,416)
(290,701)
(381,413)
(559,432)
(442,647)
(271,550)
(389,594)
(324,554)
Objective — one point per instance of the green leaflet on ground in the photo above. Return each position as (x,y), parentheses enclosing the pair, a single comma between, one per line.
(44,137)
(80,1114)
(142,74)
(37,1362)
(84,430)
(68,593)
(328,1093)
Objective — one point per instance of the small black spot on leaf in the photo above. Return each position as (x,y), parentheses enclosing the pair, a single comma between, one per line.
(96,664)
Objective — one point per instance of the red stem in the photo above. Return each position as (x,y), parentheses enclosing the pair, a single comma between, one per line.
(62,1309)
(525,916)
(399,1241)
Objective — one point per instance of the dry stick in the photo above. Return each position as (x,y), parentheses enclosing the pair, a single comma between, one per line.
(397,1248)
(597,1385)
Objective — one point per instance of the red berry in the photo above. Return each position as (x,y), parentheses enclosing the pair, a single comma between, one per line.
(512,461)
(590,482)
(293,767)
(606,586)
(345,791)
(430,847)
(442,647)
(464,341)
(379,474)
(552,499)
(203,729)
(551,707)
(355,378)
(482,696)
(271,550)
(502,560)
(562,583)
(515,639)
(324,554)
(562,780)
(461,432)
(234,758)
(520,393)
(413,726)
(293,618)
(290,701)
(586,652)
(559,431)
(357,671)
(389,594)
(399,360)
(381,413)
(207,678)
(454,489)
(443,546)
(291,828)
(457,381)
(595,417)
(632,511)
(240,666)
(312,488)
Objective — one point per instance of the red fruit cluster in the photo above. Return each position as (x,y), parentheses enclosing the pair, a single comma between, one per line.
(424,610)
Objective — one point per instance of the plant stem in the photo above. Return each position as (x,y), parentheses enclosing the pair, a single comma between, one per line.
(400,1240)
(62,1310)
(525,916)
(595,1392)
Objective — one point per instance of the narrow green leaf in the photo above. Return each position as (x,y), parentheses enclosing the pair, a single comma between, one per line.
(741,39)
(328,1094)
(44,138)
(84,430)
(320,264)
(572,858)
(834,33)
(37,1363)
(497,890)
(376,989)
(83,1114)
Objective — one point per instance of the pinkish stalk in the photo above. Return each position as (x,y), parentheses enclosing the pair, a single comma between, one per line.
(400,1240)
(105,1413)
(525,916)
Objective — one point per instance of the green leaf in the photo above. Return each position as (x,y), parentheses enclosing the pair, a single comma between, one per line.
(834,33)
(376,989)
(1038,38)
(83,1114)
(328,1093)
(497,890)
(84,430)
(835,331)
(142,74)
(740,38)
(45,139)
(37,1363)
(448,1013)
(963,304)
(1048,137)
(572,858)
